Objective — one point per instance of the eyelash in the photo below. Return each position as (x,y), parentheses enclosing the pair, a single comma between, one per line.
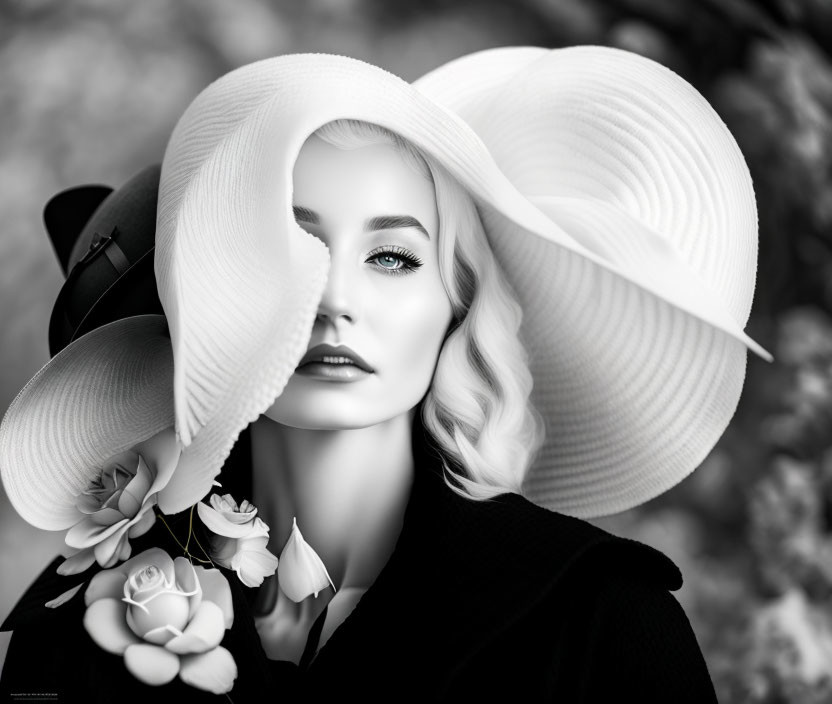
(410,261)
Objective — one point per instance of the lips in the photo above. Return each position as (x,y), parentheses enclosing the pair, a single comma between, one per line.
(334,355)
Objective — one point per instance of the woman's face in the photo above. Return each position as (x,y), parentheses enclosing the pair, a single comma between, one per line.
(384,298)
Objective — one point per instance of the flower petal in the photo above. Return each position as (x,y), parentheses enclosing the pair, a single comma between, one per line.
(76,563)
(253,562)
(63,598)
(146,519)
(160,635)
(187,581)
(161,453)
(112,500)
(135,492)
(110,551)
(124,550)
(151,664)
(88,503)
(105,622)
(214,671)
(204,632)
(224,503)
(301,572)
(151,556)
(216,590)
(107,584)
(243,513)
(87,532)
(106,516)
(223,550)
(216,522)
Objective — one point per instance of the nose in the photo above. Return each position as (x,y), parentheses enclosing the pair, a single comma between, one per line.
(338,300)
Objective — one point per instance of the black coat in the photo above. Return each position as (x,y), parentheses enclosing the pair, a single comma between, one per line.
(480,601)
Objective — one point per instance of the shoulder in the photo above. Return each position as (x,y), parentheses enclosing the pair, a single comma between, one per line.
(578,607)
(548,546)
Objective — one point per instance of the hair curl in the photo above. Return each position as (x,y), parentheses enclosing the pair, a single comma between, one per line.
(478,409)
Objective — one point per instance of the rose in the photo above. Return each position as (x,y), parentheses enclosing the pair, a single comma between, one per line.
(166,617)
(118,505)
(241,538)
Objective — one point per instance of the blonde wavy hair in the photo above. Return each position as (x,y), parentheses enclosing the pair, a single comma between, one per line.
(478,409)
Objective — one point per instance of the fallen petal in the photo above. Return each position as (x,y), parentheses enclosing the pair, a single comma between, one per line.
(151,664)
(63,598)
(214,671)
(300,571)
(204,632)
(105,622)
(76,563)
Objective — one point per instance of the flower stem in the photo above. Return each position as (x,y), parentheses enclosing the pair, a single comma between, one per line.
(204,552)
(161,517)
(190,527)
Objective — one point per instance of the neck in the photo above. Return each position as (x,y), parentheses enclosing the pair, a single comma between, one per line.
(348,490)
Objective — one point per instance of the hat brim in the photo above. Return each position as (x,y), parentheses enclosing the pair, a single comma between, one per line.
(634,375)
(103,394)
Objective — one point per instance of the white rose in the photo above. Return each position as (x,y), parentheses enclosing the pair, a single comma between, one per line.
(119,503)
(241,538)
(166,617)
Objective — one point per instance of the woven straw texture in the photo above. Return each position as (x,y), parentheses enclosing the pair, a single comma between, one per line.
(106,392)
(613,196)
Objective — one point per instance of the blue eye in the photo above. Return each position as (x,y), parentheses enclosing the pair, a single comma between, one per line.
(395,259)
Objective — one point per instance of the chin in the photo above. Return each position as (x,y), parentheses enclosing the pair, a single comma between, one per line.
(329,414)
(317,420)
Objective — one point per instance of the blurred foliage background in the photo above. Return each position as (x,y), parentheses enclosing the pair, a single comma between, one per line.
(90,90)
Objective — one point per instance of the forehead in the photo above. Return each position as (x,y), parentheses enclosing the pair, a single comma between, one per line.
(360,183)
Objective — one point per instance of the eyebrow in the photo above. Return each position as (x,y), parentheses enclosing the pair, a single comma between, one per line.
(380,222)
(306,215)
(391,222)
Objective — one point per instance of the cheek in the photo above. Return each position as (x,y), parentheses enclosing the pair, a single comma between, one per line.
(415,338)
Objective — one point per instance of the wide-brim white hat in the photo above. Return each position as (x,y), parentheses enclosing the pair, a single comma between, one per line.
(615,199)
(104,393)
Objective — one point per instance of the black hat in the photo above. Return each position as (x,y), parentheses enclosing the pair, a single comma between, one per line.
(104,240)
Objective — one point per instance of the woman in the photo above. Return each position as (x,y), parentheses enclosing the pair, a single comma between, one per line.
(583,285)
